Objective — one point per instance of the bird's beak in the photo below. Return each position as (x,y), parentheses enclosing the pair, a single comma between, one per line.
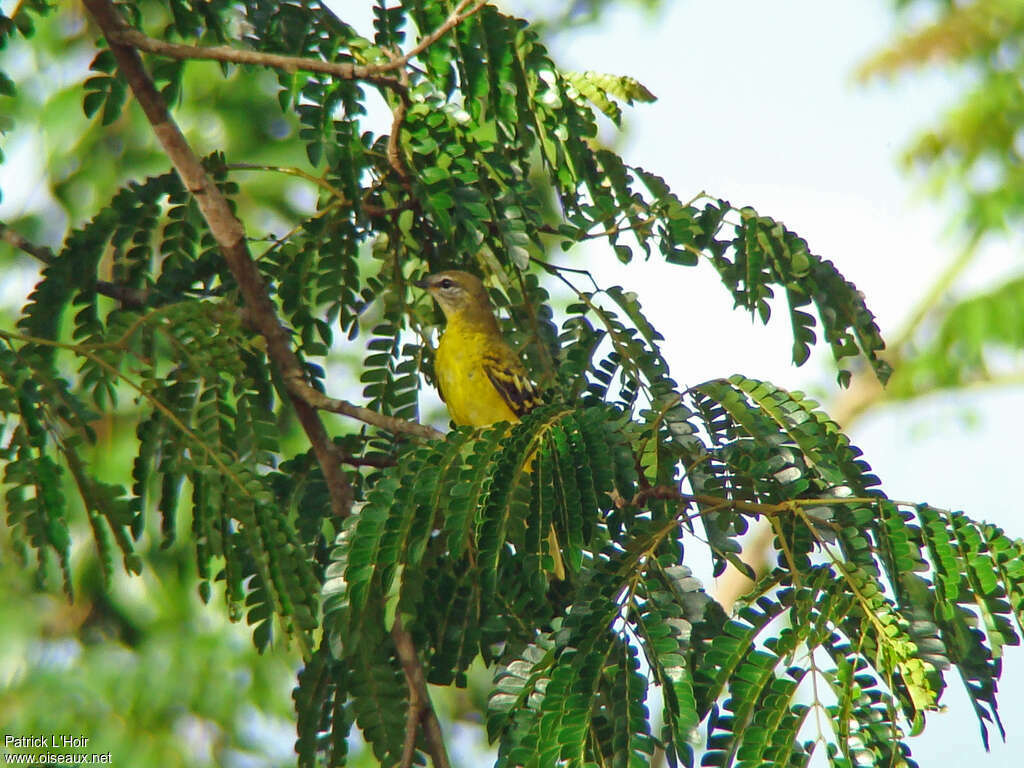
(420,283)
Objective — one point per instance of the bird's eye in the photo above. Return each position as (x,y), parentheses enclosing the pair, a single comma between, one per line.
(446,283)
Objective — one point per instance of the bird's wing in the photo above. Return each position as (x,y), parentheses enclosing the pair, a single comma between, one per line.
(509,377)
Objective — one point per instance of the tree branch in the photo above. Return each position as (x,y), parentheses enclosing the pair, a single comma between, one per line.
(39,252)
(128,296)
(397,121)
(370,461)
(396,426)
(230,236)
(118,32)
(412,728)
(755,508)
(419,697)
(456,17)
(864,394)
(130,37)
(672,493)
(133,298)
(260,312)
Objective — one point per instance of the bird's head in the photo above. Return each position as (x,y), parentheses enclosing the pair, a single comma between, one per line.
(459,294)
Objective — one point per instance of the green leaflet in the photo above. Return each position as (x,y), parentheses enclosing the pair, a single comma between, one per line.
(599,89)
(957,549)
(379,698)
(675,602)
(866,729)
(323,713)
(498,489)
(514,704)
(574,691)
(479,490)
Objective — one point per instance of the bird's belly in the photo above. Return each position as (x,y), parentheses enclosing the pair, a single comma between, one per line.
(472,399)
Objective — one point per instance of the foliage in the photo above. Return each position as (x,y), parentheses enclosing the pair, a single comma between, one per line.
(142,668)
(971,156)
(973,151)
(871,602)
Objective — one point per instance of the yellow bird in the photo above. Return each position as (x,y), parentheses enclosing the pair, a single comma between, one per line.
(480,378)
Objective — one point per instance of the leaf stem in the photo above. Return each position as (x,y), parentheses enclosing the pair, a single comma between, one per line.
(290,171)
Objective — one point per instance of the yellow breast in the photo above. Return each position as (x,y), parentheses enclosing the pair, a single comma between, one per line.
(468,392)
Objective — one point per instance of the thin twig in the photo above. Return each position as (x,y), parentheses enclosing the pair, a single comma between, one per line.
(547,229)
(379,211)
(279,242)
(394,150)
(865,393)
(456,17)
(129,297)
(131,37)
(789,506)
(368,208)
(413,670)
(787,551)
(671,493)
(136,299)
(319,181)
(370,461)
(15,239)
(118,32)
(396,426)
(554,269)
(89,352)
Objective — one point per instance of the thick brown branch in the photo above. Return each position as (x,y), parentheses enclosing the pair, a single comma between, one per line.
(129,297)
(230,236)
(419,696)
(260,312)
